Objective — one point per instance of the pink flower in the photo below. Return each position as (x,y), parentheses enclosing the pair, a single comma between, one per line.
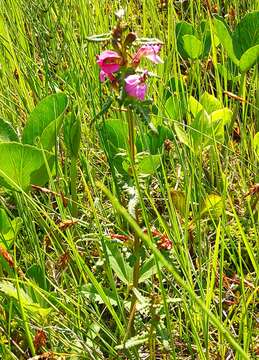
(135,86)
(104,75)
(148,51)
(109,62)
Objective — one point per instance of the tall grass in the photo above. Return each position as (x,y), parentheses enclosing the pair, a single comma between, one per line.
(202,299)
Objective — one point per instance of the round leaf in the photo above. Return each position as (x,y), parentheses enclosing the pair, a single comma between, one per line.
(224,35)
(193,46)
(246,34)
(181,29)
(249,58)
(23,165)
(45,121)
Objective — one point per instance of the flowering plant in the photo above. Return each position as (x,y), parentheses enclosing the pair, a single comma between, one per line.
(120,67)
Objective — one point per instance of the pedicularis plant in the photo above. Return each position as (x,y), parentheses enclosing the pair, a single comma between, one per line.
(120,68)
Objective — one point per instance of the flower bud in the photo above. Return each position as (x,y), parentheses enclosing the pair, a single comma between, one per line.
(130,38)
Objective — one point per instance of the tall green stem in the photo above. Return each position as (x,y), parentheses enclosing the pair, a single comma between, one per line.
(136,246)
(73,180)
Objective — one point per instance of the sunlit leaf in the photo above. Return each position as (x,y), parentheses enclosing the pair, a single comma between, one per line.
(246,34)
(23,165)
(45,120)
(249,58)
(192,46)
(183,28)
(213,206)
(9,290)
(149,164)
(7,132)
(224,35)
(210,103)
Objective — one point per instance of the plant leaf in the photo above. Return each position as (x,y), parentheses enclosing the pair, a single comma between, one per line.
(246,34)
(147,269)
(256,144)
(23,165)
(149,164)
(182,135)
(175,108)
(9,290)
(193,46)
(195,106)
(72,133)
(213,205)
(45,121)
(210,103)
(224,114)
(183,28)
(7,132)
(224,35)
(92,295)
(249,58)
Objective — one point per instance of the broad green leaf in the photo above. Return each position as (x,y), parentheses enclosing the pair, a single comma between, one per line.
(7,132)
(206,44)
(224,114)
(45,121)
(183,28)
(256,144)
(249,58)
(9,290)
(149,164)
(195,106)
(23,165)
(72,133)
(224,35)
(182,135)
(7,238)
(205,38)
(201,131)
(219,119)
(192,46)
(5,223)
(210,103)
(114,135)
(246,34)
(213,206)
(175,108)
(36,273)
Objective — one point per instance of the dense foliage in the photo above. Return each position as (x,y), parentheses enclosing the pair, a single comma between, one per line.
(129,182)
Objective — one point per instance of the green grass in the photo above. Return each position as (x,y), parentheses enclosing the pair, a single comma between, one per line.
(201,299)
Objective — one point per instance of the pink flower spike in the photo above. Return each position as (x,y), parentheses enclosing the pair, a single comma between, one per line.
(109,61)
(135,86)
(150,52)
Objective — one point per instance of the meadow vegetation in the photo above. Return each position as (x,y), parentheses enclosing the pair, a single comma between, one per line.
(129,182)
